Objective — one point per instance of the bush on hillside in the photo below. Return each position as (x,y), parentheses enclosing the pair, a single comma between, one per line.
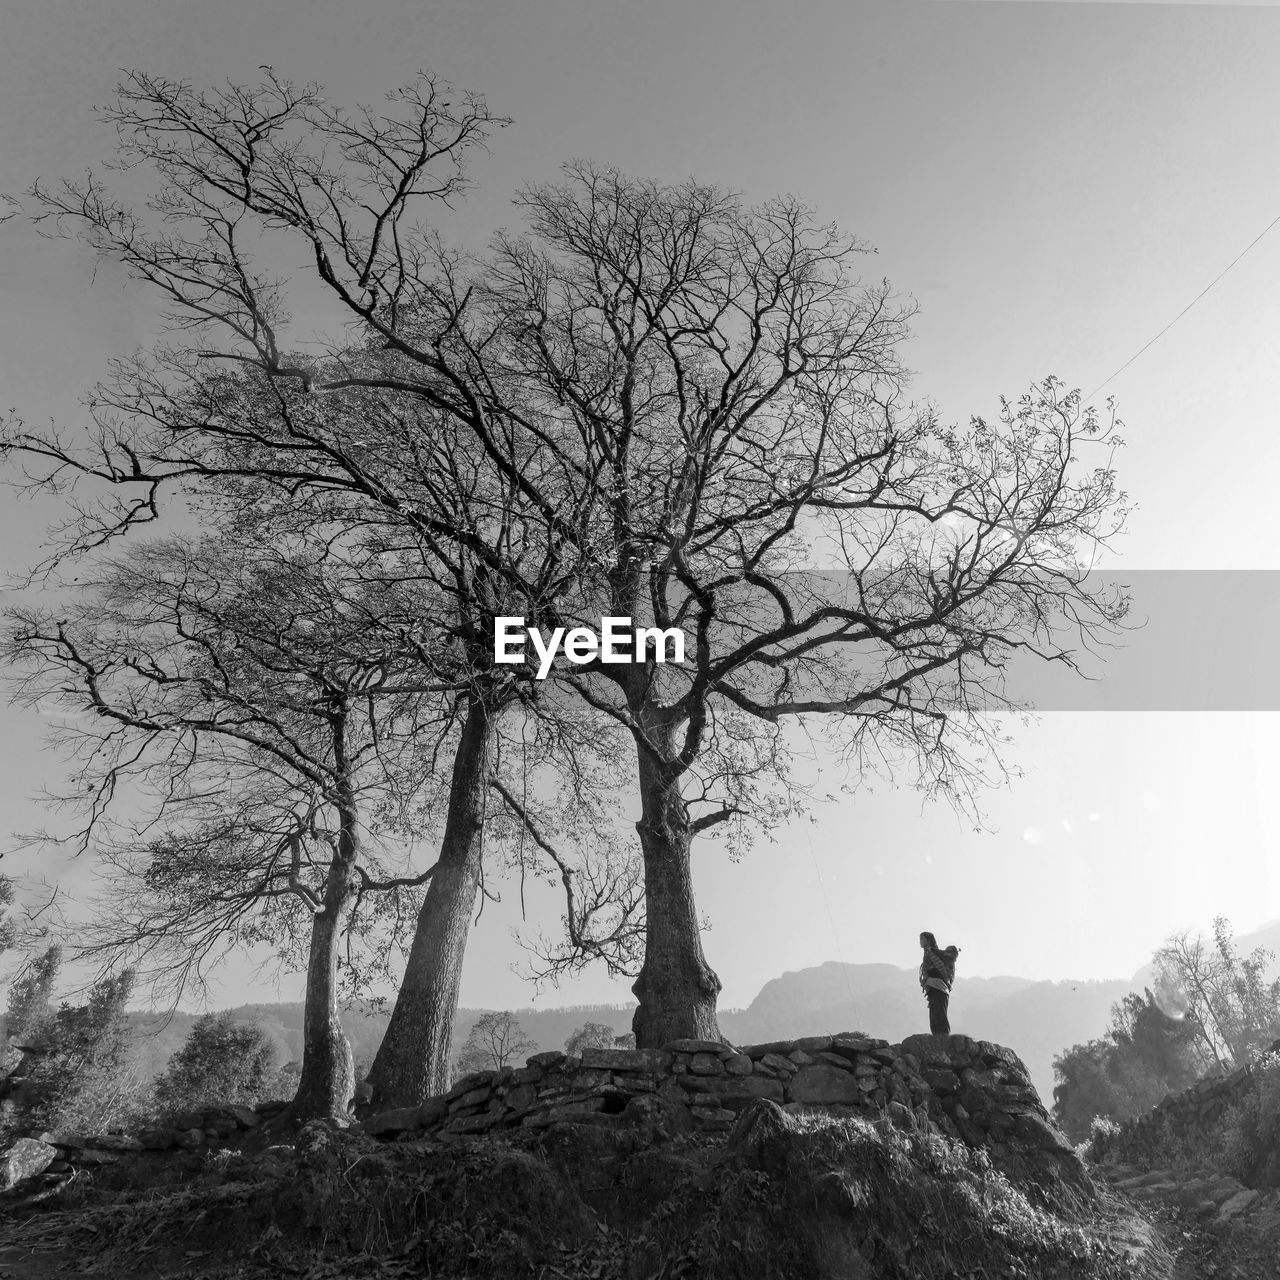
(222,1061)
(1251,1129)
(78,1076)
(1144,1055)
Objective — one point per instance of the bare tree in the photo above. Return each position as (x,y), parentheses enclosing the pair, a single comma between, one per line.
(209,426)
(1225,996)
(236,682)
(733,394)
(496,1041)
(694,408)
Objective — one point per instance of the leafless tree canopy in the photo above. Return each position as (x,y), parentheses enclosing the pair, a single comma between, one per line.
(655,402)
(497,1040)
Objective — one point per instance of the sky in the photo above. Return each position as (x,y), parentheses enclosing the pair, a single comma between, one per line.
(1053,182)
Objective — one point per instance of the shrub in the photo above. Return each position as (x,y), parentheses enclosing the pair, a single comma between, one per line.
(222,1061)
(80,1078)
(591,1035)
(1251,1129)
(1102,1132)
(30,1012)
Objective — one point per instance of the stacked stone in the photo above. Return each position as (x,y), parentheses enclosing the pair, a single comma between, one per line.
(708,1080)
(58,1156)
(971,1090)
(981,1092)
(1179,1116)
(550,1087)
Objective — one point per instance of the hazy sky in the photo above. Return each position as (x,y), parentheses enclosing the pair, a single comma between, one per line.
(1054,182)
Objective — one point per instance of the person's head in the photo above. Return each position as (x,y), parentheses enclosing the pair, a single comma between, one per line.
(952,951)
(927,940)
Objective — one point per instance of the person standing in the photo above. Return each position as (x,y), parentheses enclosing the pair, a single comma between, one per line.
(937,973)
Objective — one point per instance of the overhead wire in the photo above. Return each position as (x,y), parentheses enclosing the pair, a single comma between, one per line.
(1187,308)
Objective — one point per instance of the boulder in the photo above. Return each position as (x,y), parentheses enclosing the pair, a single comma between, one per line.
(642,1060)
(92,1155)
(850,1044)
(468,1098)
(700,1046)
(110,1142)
(468,1083)
(706,1064)
(940,1079)
(931,1050)
(777,1064)
(390,1123)
(1237,1205)
(769,1046)
(813,1044)
(521,1096)
(823,1083)
(433,1111)
(574,1110)
(24,1159)
(736,1091)
(716,1119)
(1036,1131)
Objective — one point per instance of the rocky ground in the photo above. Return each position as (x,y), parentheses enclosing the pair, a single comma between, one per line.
(1214,1227)
(780,1195)
(830,1158)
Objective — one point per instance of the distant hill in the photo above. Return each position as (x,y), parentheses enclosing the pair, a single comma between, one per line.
(1037,1019)
(158,1036)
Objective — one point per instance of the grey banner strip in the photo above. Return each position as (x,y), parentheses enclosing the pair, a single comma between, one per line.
(1195,640)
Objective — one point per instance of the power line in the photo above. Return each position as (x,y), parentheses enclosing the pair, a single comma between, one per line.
(1188,307)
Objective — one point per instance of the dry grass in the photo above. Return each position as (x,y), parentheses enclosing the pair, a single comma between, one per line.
(819,1198)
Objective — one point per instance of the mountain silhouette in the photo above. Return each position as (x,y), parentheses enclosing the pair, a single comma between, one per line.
(1038,1019)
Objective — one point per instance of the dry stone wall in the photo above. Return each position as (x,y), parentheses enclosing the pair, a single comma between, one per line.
(971,1090)
(1183,1118)
(56,1156)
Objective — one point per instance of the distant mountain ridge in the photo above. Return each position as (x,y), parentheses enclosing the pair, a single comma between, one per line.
(1037,1019)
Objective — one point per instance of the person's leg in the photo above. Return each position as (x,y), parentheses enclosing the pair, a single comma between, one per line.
(938,1022)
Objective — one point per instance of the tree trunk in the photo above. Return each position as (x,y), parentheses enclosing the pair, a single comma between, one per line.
(328,1071)
(412,1063)
(328,1081)
(676,988)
